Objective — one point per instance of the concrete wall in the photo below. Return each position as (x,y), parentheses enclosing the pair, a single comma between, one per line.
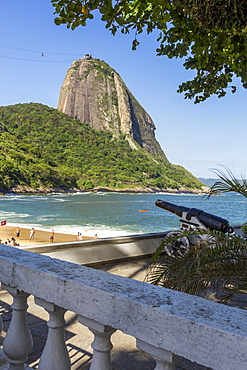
(101,250)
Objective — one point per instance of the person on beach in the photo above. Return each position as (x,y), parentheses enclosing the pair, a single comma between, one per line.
(17,232)
(79,236)
(32,232)
(13,242)
(52,236)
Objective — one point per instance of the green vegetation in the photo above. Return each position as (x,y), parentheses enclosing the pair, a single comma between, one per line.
(228,183)
(42,147)
(215,267)
(209,35)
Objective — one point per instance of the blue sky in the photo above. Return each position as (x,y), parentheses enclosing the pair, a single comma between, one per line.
(198,137)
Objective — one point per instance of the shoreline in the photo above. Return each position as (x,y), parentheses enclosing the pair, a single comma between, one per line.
(24,190)
(41,236)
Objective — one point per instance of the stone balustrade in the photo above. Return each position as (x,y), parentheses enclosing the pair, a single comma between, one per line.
(168,325)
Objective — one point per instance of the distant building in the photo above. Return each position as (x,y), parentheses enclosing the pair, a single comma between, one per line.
(88,56)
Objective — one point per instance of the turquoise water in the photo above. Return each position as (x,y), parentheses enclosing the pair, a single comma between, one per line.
(112,214)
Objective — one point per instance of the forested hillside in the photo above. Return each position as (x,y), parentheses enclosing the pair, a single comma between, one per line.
(43,148)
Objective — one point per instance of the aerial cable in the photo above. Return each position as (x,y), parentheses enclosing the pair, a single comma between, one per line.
(16,47)
(36,60)
(34,51)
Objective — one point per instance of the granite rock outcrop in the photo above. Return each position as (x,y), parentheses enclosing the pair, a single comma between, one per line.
(95,94)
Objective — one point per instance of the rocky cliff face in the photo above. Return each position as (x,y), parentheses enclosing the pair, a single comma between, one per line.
(95,94)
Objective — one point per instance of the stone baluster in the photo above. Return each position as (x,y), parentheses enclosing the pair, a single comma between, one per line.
(3,358)
(101,345)
(1,324)
(165,360)
(18,342)
(55,354)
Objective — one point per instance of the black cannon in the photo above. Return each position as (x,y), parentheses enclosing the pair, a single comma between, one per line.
(192,218)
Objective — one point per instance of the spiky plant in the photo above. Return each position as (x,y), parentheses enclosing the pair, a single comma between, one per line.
(228,183)
(217,264)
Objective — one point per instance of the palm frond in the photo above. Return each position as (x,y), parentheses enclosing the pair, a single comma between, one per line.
(220,265)
(228,183)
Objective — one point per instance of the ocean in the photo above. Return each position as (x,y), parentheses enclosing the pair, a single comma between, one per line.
(112,214)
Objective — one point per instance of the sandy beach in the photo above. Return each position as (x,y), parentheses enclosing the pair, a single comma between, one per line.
(40,237)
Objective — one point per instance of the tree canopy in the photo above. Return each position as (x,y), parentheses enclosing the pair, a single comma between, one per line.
(210,35)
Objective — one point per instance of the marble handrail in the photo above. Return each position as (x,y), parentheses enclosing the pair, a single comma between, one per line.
(167,324)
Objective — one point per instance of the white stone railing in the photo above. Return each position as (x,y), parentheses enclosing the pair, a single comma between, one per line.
(166,324)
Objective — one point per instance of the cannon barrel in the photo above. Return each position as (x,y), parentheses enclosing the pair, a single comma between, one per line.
(173,208)
(209,220)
